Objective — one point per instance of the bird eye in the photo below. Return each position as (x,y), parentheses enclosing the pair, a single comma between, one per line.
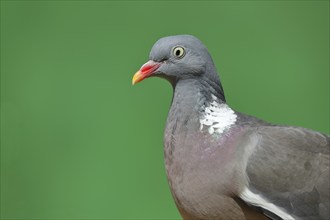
(178,52)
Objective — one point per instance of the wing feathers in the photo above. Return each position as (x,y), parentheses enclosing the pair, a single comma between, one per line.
(289,168)
(256,200)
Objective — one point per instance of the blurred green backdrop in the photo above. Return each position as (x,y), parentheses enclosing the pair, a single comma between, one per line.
(78,141)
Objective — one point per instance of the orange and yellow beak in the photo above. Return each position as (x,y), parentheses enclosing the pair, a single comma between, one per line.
(145,71)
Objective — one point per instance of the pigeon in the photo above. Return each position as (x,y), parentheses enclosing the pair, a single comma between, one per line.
(223,164)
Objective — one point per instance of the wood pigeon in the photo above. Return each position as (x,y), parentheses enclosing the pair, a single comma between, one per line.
(222,164)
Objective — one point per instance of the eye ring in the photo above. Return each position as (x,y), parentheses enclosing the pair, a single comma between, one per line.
(178,51)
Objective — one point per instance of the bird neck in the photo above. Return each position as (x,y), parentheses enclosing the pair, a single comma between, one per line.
(200,88)
(190,95)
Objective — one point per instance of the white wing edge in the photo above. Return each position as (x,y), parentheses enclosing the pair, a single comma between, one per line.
(257,200)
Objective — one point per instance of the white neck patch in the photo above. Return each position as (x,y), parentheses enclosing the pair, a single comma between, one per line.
(217,116)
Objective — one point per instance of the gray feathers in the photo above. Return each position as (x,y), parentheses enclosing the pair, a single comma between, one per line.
(196,64)
(278,171)
(290,167)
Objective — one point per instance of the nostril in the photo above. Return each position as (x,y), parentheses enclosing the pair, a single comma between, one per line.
(160,60)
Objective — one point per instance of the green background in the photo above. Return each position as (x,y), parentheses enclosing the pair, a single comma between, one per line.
(78,141)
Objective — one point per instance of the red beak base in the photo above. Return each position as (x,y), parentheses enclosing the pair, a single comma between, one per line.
(145,71)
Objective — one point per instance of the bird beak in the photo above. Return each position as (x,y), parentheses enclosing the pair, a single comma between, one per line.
(145,71)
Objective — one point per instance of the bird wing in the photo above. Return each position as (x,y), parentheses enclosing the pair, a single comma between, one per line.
(288,172)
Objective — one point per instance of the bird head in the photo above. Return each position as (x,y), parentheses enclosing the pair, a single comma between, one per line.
(175,58)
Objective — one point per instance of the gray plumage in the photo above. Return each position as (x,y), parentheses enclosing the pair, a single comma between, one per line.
(222,164)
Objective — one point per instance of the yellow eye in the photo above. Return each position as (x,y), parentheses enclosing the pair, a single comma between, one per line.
(178,52)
